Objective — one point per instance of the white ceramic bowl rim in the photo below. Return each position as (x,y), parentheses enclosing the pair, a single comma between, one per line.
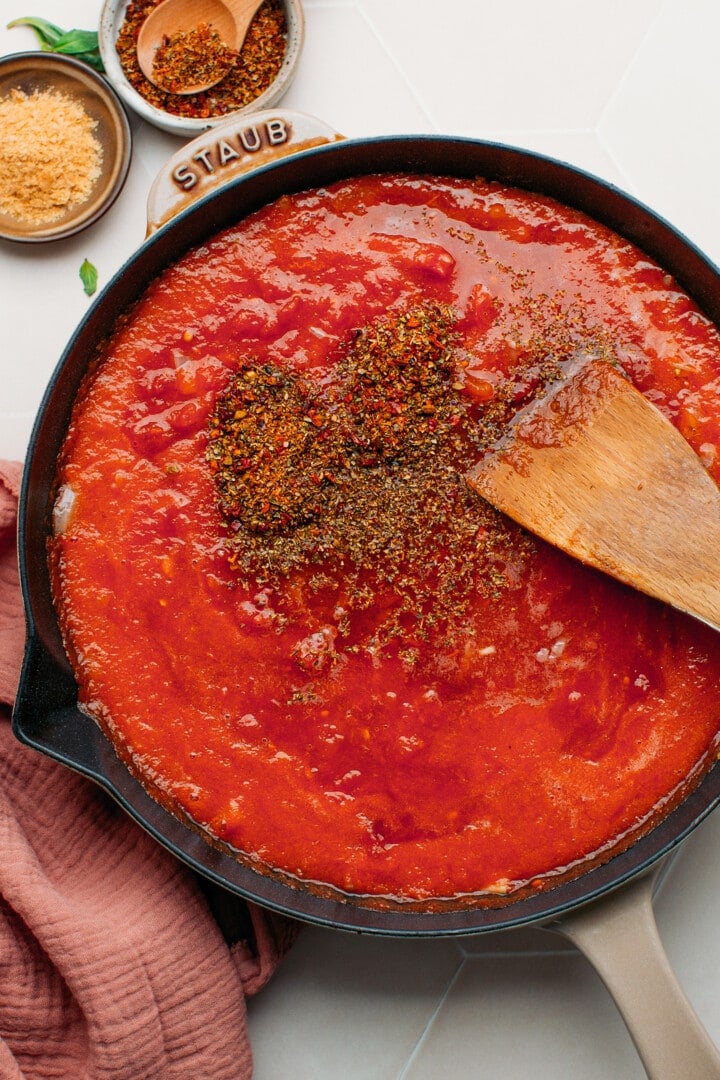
(111,19)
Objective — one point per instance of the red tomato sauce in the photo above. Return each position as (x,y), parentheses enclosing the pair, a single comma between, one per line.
(464,712)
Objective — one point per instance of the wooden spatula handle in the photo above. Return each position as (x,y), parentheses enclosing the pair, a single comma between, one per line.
(598,471)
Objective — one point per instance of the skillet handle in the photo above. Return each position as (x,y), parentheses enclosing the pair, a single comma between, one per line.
(619,936)
(238,145)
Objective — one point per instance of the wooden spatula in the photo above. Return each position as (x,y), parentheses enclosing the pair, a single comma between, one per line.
(597,470)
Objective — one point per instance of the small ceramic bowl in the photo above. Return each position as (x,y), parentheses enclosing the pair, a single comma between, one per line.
(28,72)
(111,21)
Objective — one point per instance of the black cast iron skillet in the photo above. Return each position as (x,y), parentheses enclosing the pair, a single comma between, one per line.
(46,715)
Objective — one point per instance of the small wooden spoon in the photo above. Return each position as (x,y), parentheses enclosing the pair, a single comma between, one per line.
(597,470)
(230,18)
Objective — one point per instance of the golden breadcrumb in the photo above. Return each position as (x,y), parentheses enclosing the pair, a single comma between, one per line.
(49,156)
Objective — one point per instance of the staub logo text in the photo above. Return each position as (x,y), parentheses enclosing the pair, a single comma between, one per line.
(230,150)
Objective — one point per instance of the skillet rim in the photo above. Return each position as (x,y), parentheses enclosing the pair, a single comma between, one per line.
(46,716)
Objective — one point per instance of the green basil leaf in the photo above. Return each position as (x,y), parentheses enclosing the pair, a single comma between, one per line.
(82,44)
(77,41)
(46,31)
(89,277)
(93,60)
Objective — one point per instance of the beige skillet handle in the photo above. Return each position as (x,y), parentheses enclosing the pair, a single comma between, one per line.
(235,146)
(619,937)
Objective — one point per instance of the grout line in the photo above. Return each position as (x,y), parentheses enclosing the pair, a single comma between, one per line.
(425,1034)
(396,66)
(625,181)
(505,954)
(422,104)
(630,64)
(510,136)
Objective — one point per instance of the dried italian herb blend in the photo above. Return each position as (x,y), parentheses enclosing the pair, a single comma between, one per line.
(194,57)
(259,63)
(363,480)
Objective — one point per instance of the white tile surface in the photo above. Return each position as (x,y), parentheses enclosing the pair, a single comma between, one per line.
(630,90)
(346,1002)
(521,1016)
(661,124)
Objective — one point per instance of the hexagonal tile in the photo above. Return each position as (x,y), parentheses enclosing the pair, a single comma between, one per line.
(517,66)
(661,123)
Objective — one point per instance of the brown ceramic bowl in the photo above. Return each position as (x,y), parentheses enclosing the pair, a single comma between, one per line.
(29,72)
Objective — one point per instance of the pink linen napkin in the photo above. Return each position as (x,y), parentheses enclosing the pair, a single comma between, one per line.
(112,963)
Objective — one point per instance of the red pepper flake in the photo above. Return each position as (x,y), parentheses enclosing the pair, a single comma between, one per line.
(258,65)
(359,479)
(194,57)
(355,481)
